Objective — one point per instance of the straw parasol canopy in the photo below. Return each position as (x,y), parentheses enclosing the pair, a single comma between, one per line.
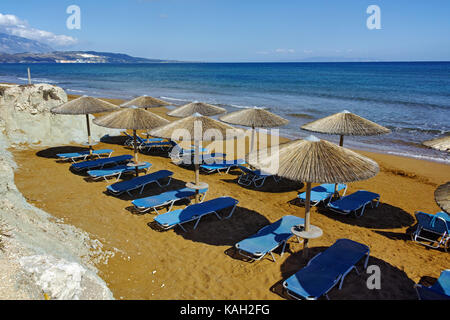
(85,105)
(202,108)
(346,123)
(131,118)
(442,144)
(343,124)
(442,197)
(255,118)
(313,160)
(145,102)
(197,128)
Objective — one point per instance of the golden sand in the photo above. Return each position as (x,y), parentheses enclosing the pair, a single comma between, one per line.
(202,264)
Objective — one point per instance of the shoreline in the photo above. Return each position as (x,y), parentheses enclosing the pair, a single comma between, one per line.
(400,142)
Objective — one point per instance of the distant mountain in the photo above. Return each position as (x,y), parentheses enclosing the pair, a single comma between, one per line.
(13,44)
(75,57)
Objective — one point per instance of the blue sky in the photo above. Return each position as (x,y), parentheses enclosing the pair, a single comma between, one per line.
(239,30)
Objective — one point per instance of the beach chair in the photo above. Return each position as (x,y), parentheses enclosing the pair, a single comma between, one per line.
(100,163)
(323,193)
(195,212)
(117,171)
(257,177)
(166,199)
(73,156)
(355,202)
(437,224)
(440,290)
(269,238)
(162,145)
(140,182)
(130,139)
(222,166)
(326,269)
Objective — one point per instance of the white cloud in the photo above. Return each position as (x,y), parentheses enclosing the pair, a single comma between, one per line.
(12,25)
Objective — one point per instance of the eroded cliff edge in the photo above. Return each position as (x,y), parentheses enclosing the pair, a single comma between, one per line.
(40,256)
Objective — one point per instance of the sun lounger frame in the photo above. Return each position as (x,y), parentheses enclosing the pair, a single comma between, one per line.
(258,256)
(84,156)
(119,174)
(169,202)
(444,237)
(142,186)
(249,176)
(198,217)
(316,202)
(437,294)
(339,279)
(362,207)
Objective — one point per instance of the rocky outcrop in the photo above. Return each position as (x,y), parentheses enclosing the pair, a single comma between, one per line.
(25,117)
(43,257)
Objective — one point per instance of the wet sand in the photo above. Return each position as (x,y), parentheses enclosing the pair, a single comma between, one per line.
(202,264)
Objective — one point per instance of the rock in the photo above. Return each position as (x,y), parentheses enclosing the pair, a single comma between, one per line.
(25,117)
(39,245)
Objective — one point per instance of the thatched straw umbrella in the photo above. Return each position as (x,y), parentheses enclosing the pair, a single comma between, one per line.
(255,118)
(146,102)
(197,128)
(442,196)
(343,124)
(442,144)
(131,118)
(313,160)
(85,105)
(202,108)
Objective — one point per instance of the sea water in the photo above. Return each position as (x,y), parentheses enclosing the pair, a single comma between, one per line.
(410,98)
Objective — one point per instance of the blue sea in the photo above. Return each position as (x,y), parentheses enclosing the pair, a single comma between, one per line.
(410,98)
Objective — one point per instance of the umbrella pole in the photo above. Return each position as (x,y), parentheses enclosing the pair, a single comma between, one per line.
(307,217)
(89,135)
(197,168)
(341,143)
(252,143)
(135,153)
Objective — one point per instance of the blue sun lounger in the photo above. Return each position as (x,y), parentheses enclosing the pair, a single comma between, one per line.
(322,193)
(269,238)
(140,182)
(116,171)
(100,163)
(84,154)
(222,166)
(438,224)
(440,290)
(354,202)
(257,177)
(166,199)
(147,146)
(195,212)
(326,269)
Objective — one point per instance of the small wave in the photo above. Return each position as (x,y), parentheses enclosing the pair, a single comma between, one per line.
(73,90)
(174,99)
(301,115)
(35,80)
(418,130)
(245,107)
(418,156)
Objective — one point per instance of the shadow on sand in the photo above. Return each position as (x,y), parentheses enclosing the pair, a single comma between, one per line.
(270,185)
(394,283)
(51,153)
(385,216)
(225,232)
